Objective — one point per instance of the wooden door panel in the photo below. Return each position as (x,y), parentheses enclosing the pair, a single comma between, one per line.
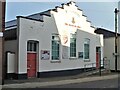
(97,60)
(31,64)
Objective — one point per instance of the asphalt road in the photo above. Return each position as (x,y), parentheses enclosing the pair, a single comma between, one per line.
(110,83)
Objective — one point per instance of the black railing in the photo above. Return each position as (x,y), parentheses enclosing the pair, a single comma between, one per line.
(103,65)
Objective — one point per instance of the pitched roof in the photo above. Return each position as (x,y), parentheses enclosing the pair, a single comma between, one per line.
(106,33)
(37,16)
(10,34)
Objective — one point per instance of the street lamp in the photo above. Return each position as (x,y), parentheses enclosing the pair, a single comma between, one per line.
(116,36)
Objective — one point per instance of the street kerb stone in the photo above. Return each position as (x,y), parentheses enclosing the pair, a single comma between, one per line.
(0,87)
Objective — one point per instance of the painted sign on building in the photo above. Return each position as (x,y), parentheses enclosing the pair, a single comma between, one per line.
(45,55)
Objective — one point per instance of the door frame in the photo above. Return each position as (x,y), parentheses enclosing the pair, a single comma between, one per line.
(37,54)
(98,51)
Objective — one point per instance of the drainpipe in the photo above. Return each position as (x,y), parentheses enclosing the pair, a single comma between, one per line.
(116,36)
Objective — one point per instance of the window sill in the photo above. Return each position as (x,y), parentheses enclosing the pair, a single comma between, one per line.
(31,52)
(86,60)
(55,61)
(73,58)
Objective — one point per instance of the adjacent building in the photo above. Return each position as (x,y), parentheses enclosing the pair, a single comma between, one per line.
(59,41)
(119,17)
(109,47)
(2,24)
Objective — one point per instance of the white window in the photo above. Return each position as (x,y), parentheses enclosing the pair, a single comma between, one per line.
(55,47)
(86,49)
(73,45)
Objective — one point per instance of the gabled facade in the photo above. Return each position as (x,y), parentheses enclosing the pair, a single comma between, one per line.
(59,41)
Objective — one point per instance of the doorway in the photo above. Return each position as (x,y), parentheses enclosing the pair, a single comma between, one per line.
(32,59)
(98,56)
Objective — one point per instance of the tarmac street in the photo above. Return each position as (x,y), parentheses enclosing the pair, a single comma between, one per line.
(68,82)
(107,83)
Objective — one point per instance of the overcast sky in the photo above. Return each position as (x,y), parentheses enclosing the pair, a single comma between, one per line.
(100,13)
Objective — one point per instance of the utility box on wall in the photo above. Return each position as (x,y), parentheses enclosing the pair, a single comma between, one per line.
(10,64)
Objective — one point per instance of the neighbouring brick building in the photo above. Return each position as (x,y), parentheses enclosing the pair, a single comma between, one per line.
(2,24)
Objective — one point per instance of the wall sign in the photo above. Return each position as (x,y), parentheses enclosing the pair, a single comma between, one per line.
(72,25)
(73,20)
(64,52)
(65,39)
(80,54)
(45,55)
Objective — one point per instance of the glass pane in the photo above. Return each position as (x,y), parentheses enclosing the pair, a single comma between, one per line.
(55,48)
(53,37)
(73,45)
(86,51)
(35,47)
(28,46)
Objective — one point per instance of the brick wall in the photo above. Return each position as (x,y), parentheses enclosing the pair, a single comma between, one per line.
(2,24)
(0,44)
(0,16)
(1,60)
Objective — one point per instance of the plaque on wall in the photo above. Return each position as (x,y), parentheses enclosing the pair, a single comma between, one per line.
(64,52)
(45,55)
(80,54)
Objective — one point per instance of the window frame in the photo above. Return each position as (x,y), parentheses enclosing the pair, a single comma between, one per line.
(88,43)
(58,48)
(74,38)
(31,45)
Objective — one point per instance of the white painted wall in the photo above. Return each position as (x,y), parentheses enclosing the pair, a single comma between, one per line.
(42,32)
(28,30)
(43,35)
(69,63)
(65,16)
(11,46)
(119,53)
(109,50)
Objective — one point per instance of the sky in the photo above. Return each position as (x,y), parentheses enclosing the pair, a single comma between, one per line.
(100,13)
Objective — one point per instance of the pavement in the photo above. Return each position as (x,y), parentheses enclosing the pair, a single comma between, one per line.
(42,82)
(0,87)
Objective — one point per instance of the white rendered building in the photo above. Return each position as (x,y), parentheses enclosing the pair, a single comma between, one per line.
(59,41)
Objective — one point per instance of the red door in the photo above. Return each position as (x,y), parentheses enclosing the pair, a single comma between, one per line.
(97,60)
(31,65)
